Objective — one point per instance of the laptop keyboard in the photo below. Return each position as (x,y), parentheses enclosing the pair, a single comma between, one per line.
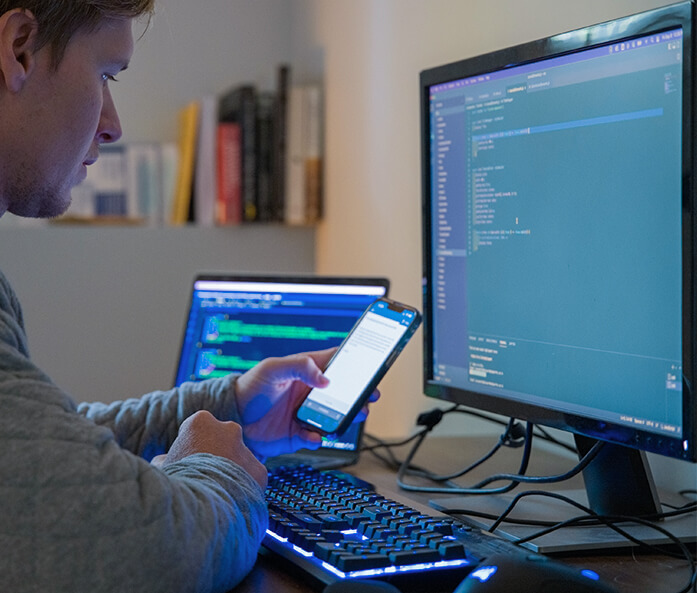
(335,526)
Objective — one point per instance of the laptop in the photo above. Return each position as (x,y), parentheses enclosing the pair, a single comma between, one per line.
(237,320)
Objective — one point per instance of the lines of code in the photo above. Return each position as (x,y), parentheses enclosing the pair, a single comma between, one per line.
(556,231)
(211,363)
(231,332)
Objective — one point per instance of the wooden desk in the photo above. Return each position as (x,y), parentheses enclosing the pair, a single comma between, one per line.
(629,571)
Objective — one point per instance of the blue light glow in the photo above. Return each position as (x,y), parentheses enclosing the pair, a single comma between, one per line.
(590,574)
(276,536)
(376,572)
(368,573)
(299,550)
(484,573)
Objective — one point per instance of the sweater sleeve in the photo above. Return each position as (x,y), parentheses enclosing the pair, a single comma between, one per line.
(82,513)
(147,425)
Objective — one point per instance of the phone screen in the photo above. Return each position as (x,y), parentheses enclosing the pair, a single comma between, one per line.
(359,364)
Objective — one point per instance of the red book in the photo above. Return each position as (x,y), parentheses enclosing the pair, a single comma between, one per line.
(229,200)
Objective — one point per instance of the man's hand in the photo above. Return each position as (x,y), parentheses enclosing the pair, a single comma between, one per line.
(268,396)
(202,433)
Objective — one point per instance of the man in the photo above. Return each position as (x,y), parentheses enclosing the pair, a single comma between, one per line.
(82,508)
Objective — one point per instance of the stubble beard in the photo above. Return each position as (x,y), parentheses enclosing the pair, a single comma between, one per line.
(35,200)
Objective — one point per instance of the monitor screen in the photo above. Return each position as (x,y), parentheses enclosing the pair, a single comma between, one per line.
(558,251)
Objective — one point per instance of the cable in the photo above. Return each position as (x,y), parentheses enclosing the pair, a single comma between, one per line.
(541,433)
(394,463)
(513,436)
(687,509)
(577,469)
(477,488)
(514,479)
(592,518)
(427,419)
(611,520)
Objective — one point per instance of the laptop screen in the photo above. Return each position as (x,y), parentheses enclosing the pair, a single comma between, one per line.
(236,321)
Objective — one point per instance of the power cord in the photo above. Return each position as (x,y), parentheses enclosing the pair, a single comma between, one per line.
(477,488)
(431,418)
(513,436)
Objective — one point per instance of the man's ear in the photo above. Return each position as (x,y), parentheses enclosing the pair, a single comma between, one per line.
(18,31)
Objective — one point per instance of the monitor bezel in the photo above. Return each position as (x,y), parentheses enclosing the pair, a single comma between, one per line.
(617,30)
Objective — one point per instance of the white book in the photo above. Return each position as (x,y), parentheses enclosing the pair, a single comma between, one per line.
(206,176)
(304,155)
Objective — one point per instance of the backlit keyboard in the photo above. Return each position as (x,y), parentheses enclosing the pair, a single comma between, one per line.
(335,526)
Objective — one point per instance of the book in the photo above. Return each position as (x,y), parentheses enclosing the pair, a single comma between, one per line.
(229,185)
(188,135)
(130,183)
(280,140)
(314,161)
(144,181)
(206,176)
(239,105)
(103,194)
(266,108)
(169,165)
(304,162)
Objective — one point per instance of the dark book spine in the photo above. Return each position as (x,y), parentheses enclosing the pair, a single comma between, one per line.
(265,153)
(240,105)
(280,141)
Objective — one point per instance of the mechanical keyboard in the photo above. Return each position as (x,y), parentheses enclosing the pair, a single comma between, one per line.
(334,526)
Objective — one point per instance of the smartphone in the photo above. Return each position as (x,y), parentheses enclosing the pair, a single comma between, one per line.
(358,366)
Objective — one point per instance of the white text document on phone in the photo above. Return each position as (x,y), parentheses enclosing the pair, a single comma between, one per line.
(357,362)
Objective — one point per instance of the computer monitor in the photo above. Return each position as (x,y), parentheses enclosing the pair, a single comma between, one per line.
(558,197)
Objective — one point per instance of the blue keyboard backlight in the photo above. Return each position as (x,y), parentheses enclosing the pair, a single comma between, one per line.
(484,573)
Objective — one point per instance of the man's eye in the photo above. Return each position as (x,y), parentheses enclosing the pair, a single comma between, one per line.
(109,78)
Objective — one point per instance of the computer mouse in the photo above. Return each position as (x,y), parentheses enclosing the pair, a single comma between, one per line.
(530,573)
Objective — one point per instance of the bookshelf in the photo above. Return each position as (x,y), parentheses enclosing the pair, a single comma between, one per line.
(245,156)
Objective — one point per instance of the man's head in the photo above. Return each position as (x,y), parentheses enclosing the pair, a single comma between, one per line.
(56,61)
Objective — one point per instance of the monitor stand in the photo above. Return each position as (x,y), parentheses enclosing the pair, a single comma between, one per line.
(617,482)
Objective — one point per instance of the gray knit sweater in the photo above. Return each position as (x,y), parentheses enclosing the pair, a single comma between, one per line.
(81,509)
